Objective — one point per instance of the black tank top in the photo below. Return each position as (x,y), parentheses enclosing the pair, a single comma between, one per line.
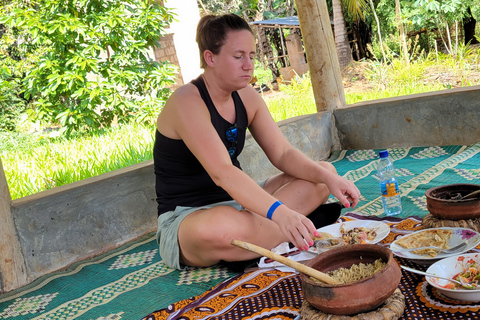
(180,178)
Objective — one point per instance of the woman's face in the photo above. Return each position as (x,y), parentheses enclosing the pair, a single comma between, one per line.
(236,60)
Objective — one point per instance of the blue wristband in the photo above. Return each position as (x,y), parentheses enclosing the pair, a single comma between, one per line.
(272,209)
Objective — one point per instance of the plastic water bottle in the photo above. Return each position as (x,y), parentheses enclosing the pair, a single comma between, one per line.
(388,185)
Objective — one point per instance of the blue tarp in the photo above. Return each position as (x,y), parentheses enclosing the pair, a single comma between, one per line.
(286,21)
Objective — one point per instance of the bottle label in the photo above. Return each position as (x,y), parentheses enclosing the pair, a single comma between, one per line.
(389,189)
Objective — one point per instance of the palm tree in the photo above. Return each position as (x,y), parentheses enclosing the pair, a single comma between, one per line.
(398,16)
(340,33)
(355,8)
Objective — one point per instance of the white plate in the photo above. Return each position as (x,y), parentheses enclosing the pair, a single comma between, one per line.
(449,267)
(471,237)
(381,228)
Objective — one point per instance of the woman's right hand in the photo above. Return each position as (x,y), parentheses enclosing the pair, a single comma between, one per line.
(295,226)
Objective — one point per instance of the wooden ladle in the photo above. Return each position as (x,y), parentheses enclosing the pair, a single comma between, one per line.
(288,262)
(472,195)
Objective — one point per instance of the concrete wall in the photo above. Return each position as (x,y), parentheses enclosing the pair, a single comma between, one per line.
(447,117)
(59,226)
(76,221)
(312,134)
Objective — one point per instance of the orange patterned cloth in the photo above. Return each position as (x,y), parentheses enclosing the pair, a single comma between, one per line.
(272,294)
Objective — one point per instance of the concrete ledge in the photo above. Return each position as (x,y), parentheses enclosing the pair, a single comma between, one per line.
(85,218)
(312,134)
(447,117)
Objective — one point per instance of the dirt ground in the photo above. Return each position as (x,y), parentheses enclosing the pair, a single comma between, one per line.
(354,79)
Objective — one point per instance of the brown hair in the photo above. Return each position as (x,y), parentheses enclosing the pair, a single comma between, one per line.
(212,31)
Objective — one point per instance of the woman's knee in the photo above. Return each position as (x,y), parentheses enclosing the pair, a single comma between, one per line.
(327,165)
(215,226)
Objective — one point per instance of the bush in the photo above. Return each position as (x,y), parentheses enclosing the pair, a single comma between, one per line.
(93,59)
(11,105)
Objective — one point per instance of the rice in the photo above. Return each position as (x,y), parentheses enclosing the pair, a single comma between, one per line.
(356,272)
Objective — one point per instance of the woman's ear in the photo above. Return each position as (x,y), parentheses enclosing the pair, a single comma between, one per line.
(209,58)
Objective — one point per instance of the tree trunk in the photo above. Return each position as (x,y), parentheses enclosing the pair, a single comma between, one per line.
(378,29)
(469,24)
(203,6)
(321,54)
(440,32)
(341,37)
(398,15)
(449,38)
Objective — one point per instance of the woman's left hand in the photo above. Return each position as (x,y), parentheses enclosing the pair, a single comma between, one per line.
(344,190)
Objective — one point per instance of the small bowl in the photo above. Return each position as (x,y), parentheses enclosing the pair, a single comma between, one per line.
(441,202)
(352,298)
(449,267)
(327,244)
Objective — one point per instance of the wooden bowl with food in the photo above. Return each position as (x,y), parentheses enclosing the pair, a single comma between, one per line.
(454,201)
(368,274)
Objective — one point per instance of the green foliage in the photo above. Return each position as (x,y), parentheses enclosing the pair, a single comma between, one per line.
(378,73)
(11,105)
(12,71)
(37,162)
(263,76)
(297,100)
(94,62)
(299,86)
(34,163)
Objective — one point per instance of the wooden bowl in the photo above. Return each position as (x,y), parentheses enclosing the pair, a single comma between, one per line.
(441,202)
(357,297)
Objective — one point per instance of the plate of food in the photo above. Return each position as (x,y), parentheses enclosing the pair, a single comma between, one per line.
(463,268)
(358,231)
(443,238)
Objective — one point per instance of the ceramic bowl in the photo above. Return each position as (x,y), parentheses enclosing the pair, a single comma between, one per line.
(449,267)
(442,204)
(352,298)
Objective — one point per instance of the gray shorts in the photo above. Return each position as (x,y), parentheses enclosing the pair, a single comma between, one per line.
(167,229)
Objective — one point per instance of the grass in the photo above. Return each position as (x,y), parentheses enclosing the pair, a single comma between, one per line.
(37,162)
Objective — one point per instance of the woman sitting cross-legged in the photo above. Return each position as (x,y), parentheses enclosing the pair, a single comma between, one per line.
(204,198)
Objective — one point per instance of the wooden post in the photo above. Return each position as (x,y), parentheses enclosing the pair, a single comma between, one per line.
(321,54)
(12,264)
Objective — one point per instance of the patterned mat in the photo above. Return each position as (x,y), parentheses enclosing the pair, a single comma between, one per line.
(272,294)
(132,281)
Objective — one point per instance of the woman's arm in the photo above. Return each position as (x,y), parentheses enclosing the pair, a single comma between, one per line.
(287,158)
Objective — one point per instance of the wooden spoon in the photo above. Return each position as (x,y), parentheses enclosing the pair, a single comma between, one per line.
(288,262)
(472,195)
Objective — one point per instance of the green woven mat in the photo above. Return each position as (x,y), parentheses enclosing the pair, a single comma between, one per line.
(418,169)
(126,283)
(132,281)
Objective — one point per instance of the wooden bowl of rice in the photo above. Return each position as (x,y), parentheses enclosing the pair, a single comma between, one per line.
(371,267)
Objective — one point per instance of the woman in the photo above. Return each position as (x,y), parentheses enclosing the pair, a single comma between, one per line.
(205,199)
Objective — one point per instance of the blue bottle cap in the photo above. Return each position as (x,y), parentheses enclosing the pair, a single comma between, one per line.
(383,154)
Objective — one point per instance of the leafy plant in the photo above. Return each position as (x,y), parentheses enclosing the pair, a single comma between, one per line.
(378,73)
(95,65)
(11,105)
(12,71)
